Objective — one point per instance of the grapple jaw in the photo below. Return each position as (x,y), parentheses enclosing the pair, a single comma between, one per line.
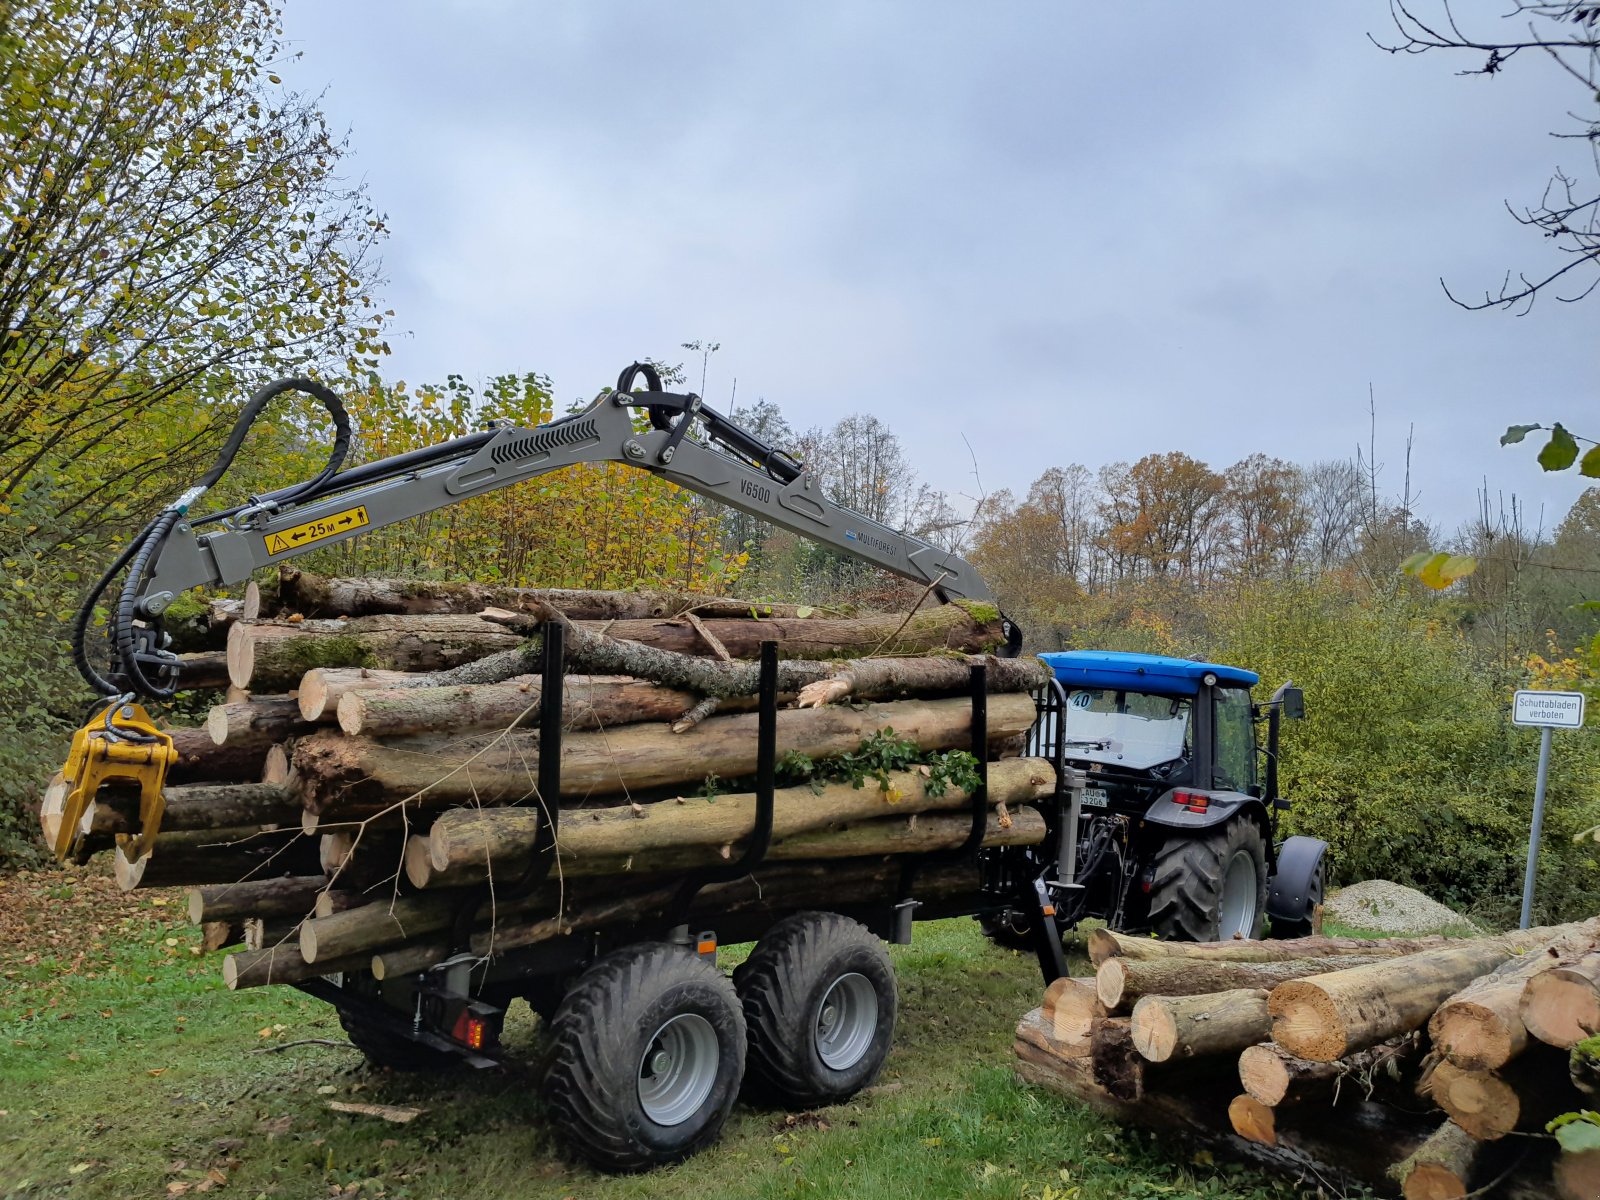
(119,743)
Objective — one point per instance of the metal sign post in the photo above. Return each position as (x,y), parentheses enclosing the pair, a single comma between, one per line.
(1545,711)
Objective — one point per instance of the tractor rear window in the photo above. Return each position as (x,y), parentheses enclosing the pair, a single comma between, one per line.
(1126,729)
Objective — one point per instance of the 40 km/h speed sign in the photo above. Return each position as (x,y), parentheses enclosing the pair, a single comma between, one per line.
(1557,710)
(1546,711)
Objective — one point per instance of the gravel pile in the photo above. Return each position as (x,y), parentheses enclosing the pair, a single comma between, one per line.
(1388,907)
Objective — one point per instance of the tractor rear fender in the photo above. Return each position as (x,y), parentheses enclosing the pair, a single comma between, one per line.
(1172,810)
(1295,883)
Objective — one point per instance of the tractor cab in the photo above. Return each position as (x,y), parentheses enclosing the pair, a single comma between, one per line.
(1177,824)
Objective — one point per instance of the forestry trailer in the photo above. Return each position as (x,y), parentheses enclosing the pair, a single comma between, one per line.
(1154,818)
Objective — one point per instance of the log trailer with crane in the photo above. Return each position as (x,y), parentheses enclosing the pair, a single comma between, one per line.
(1153,818)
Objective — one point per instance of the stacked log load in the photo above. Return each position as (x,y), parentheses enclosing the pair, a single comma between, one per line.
(1407,1066)
(370,774)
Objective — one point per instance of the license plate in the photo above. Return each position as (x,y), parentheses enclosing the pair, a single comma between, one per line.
(1094,798)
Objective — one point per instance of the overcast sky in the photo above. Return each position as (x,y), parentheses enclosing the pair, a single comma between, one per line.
(1070,232)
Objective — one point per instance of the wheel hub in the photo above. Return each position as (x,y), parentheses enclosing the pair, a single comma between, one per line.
(678,1069)
(847,1021)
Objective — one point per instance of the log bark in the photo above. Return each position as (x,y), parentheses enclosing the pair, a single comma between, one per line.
(1105,943)
(273,655)
(878,677)
(321,688)
(1441,1168)
(321,596)
(200,760)
(1167,1028)
(589,702)
(279,964)
(260,721)
(350,777)
(191,807)
(1329,1016)
(1523,1095)
(1071,1009)
(1480,1027)
(204,670)
(264,933)
(215,856)
(1120,981)
(1577,1175)
(1253,1120)
(1275,1077)
(289,896)
(465,844)
(1562,1006)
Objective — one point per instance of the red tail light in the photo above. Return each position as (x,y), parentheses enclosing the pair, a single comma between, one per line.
(1192,801)
(469,1030)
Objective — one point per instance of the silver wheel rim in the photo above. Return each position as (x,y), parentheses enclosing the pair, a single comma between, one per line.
(847,1021)
(1239,895)
(678,1069)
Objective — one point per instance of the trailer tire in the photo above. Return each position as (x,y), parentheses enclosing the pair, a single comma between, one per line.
(820,1000)
(1204,882)
(646,1057)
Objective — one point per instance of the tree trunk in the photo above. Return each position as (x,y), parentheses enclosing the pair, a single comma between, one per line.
(280,964)
(259,722)
(1105,943)
(190,807)
(1480,1027)
(589,702)
(205,670)
(1561,1006)
(1275,1077)
(272,656)
(200,760)
(1166,1028)
(1441,1168)
(465,844)
(348,777)
(321,688)
(1523,1095)
(319,596)
(1577,1175)
(216,856)
(289,896)
(877,677)
(264,933)
(1332,1015)
(1121,981)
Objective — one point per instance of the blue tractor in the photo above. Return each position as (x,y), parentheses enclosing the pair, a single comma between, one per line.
(1175,827)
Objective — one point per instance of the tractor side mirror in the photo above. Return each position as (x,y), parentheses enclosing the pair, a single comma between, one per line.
(1294,703)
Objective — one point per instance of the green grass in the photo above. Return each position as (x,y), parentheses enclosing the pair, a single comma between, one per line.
(135,1073)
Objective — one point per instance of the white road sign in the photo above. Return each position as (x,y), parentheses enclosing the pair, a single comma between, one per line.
(1557,710)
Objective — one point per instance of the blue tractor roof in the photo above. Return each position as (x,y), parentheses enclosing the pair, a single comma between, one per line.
(1140,672)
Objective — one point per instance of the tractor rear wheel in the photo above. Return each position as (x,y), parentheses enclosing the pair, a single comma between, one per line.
(1211,886)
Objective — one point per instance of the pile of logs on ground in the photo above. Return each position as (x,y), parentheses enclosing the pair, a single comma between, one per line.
(370,775)
(1425,1068)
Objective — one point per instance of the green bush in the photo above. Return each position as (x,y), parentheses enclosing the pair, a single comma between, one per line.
(1407,762)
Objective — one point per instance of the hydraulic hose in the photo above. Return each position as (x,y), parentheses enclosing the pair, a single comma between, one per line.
(127,662)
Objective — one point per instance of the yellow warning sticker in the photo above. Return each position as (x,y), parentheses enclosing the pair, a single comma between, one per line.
(297,537)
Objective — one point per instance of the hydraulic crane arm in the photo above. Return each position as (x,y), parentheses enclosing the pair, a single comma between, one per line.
(726,463)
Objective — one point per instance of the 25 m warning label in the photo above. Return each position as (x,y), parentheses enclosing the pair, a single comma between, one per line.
(297,537)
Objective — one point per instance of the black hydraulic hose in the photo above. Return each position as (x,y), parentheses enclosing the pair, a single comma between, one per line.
(142,549)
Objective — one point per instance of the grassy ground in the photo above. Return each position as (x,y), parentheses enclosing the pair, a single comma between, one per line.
(127,1070)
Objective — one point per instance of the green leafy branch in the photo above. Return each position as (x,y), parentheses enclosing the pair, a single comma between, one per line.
(1561,451)
(879,755)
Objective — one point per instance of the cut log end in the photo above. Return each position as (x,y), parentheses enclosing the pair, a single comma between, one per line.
(129,873)
(1264,1074)
(1434,1181)
(1475,1036)
(1155,1033)
(1306,1023)
(1253,1120)
(418,861)
(1562,1006)
(217,724)
(1109,983)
